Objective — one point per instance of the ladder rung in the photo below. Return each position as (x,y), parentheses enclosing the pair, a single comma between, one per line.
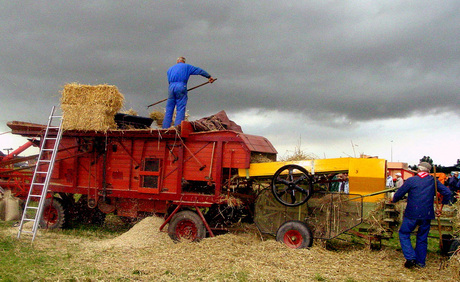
(32,208)
(44,161)
(49,138)
(47,150)
(29,219)
(41,172)
(27,231)
(36,196)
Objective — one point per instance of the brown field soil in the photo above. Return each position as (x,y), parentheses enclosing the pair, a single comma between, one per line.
(144,254)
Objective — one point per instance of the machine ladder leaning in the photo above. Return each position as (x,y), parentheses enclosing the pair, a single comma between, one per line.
(42,175)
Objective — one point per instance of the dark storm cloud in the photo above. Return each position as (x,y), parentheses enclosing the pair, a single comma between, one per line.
(333,61)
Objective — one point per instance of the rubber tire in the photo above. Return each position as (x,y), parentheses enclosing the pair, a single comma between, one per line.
(186,221)
(98,217)
(274,188)
(53,216)
(454,247)
(295,234)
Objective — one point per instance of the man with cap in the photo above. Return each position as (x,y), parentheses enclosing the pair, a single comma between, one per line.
(399,180)
(389,181)
(178,76)
(420,190)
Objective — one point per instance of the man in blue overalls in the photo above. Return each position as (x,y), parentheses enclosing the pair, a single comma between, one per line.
(419,212)
(178,76)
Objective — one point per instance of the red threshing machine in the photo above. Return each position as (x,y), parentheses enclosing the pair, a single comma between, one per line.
(133,173)
(200,182)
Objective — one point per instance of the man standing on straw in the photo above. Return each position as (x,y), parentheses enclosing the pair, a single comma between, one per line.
(419,212)
(178,76)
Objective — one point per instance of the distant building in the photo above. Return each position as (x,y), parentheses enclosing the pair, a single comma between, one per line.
(403,168)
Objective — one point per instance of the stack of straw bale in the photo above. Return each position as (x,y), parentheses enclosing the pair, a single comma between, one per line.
(90,107)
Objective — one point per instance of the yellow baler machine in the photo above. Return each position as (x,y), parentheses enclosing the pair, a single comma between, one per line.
(366,176)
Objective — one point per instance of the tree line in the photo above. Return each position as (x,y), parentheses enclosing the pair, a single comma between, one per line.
(439,168)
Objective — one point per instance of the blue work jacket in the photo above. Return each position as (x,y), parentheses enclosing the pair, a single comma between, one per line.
(420,196)
(181,72)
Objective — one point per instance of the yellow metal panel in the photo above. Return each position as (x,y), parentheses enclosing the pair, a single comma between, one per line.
(366,176)
(319,166)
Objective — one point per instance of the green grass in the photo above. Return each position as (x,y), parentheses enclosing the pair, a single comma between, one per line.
(22,260)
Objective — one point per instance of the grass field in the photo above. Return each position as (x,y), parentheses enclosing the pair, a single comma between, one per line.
(115,252)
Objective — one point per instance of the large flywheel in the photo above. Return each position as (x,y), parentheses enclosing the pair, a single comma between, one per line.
(292,185)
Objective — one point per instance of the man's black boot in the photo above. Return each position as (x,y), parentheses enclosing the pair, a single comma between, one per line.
(410,263)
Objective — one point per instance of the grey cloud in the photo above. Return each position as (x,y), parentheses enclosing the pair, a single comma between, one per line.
(331,61)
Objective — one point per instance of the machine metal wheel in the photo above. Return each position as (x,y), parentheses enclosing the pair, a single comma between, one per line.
(53,216)
(295,234)
(292,185)
(186,225)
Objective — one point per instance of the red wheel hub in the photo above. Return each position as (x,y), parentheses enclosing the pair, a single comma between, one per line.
(293,239)
(186,229)
(50,215)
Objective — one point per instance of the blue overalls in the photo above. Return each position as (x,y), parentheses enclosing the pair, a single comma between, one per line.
(178,76)
(419,212)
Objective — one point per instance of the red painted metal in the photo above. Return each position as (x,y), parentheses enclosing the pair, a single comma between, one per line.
(293,239)
(18,151)
(170,216)
(50,215)
(186,229)
(137,171)
(204,221)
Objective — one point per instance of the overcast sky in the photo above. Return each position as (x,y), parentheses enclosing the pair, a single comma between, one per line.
(337,78)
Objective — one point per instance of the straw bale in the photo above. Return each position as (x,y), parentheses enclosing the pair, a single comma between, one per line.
(82,117)
(78,94)
(90,107)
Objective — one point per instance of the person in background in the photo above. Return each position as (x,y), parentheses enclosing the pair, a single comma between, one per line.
(336,182)
(344,186)
(399,180)
(453,186)
(421,191)
(389,183)
(178,76)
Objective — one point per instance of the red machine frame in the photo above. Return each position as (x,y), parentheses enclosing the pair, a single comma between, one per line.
(142,171)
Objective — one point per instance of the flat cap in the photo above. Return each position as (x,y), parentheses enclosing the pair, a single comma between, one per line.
(425,165)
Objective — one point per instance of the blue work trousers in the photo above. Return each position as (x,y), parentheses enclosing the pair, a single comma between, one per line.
(419,253)
(177,98)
